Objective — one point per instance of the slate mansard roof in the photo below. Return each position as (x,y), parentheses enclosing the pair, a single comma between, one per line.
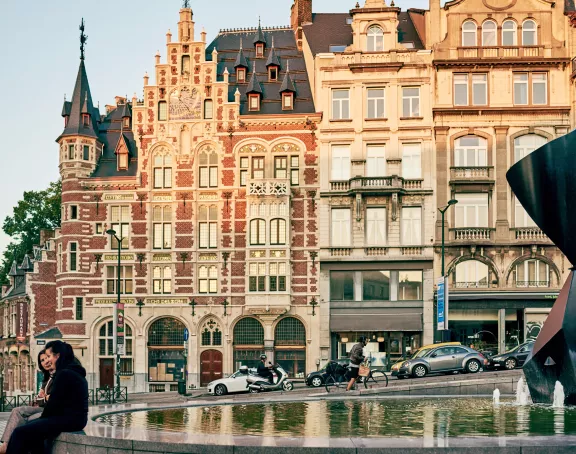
(228,44)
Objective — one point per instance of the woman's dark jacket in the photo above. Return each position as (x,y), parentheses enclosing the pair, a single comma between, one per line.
(68,394)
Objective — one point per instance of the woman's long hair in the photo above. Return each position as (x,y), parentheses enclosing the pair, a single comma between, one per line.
(64,350)
(44,372)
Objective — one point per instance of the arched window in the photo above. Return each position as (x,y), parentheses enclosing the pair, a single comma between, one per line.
(166,359)
(208,109)
(290,331)
(290,343)
(375,39)
(471,274)
(526,144)
(278,231)
(208,168)
(106,353)
(489,33)
(533,273)
(509,33)
(471,151)
(469,34)
(529,33)
(162,171)
(211,334)
(248,342)
(166,332)
(257,232)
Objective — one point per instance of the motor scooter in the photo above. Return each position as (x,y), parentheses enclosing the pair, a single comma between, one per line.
(257,384)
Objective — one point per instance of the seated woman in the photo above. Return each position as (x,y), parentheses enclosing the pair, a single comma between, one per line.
(67,408)
(21,415)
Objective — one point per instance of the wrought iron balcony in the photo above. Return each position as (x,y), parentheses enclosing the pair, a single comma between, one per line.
(472,234)
(471,174)
(526,284)
(278,187)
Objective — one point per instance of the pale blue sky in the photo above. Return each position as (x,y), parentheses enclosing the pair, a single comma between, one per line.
(39,51)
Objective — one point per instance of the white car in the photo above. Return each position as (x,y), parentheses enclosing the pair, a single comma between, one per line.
(235,383)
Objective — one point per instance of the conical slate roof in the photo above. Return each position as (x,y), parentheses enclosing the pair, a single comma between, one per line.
(241,59)
(259,38)
(287,83)
(254,84)
(27,264)
(126,111)
(273,59)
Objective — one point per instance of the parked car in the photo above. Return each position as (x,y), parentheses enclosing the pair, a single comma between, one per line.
(318,378)
(512,359)
(235,383)
(420,352)
(453,358)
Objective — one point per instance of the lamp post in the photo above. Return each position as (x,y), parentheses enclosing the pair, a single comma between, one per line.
(116,340)
(442,211)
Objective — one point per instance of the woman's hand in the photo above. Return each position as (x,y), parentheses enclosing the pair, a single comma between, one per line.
(41,394)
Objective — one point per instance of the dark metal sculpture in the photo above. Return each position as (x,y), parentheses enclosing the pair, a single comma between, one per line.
(186,4)
(83,39)
(545,184)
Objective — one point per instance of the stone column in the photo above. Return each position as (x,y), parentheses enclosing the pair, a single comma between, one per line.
(501,331)
(442,177)
(502,222)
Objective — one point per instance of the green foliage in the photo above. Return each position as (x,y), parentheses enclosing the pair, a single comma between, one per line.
(36,211)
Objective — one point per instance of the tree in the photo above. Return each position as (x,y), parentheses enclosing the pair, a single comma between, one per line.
(36,211)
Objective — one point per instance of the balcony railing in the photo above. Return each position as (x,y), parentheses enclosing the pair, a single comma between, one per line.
(340,251)
(375,57)
(471,173)
(376,250)
(525,284)
(380,183)
(361,253)
(471,285)
(269,187)
(501,52)
(472,233)
(529,234)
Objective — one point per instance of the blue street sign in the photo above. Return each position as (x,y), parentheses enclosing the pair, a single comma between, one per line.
(186,334)
(441,316)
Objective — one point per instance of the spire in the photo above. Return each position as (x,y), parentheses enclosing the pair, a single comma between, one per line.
(273,59)
(240,58)
(26,264)
(260,38)
(13,269)
(186,4)
(83,39)
(126,111)
(254,84)
(287,84)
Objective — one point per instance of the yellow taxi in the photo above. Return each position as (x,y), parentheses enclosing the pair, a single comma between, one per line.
(420,352)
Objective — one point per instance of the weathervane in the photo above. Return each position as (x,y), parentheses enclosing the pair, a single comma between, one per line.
(83,39)
(186,4)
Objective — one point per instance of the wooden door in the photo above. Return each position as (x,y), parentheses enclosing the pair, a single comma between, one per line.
(210,366)
(106,372)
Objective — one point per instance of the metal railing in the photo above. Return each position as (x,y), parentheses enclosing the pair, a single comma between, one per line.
(109,395)
(525,284)
(7,403)
(470,284)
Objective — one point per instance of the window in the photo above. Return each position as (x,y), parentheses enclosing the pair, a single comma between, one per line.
(529,33)
(539,93)
(211,334)
(526,144)
(162,280)
(85,120)
(272,73)
(253,102)
(73,256)
(411,226)
(241,74)
(258,168)
(208,109)
(375,226)
(208,227)
(294,170)
(162,227)
(126,121)
(509,34)
(410,285)
(162,111)
(208,279)
(341,227)
(340,163)
(106,346)
(532,273)
(340,104)
(59,258)
(469,34)
(375,39)
(208,168)
(471,274)
(185,64)
(489,33)
(257,277)
(375,161)
(479,89)
(460,89)
(287,101)
(375,285)
(539,88)
(162,171)
(70,151)
(259,50)
(73,212)
(122,161)
(280,167)
(521,217)
(470,151)
(86,152)
(521,88)
(342,286)
(472,210)
(244,164)
(99,228)
(337,47)
(376,103)
(120,222)
(278,277)
(410,102)
(277,231)
(126,284)
(411,161)
(257,232)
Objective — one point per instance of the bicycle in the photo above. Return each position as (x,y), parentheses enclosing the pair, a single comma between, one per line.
(339,376)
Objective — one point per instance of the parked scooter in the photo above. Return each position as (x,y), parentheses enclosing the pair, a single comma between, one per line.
(257,384)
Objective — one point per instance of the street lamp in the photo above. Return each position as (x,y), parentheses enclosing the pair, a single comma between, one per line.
(112,234)
(441,299)
(442,212)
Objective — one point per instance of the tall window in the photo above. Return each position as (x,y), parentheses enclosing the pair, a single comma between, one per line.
(208,168)
(208,227)
(529,30)
(375,39)
(375,161)
(278,277)
(375,226)
(280,167)
(257,277)
(341,285)
(162,111)
(509,33)
(539,88)
(244,165)
(526,144)
(461,89)
(162,227)
(411,101)
(532,273)
(257,168)
(340,104)
(162,171)
(521,88)
(411,226)
(73,256)
(472,210)
(79,309)
(489,33)
(86,153)
(471,274)
(477,91)
(341,233)
(287,167)
(521,217)
(253,102)
(294,170)
(208,109)
(469,34)
(106,346)
(340,163)
(470,151)
(277,231)
(120,222)
(162,279)
(70,151)
(185,64)
(376,103)
(126,283)
(257,232)
(208,279)
(538,95)
(411,161)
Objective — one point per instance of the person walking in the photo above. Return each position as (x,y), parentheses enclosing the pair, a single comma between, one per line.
(356,358)
(66,408)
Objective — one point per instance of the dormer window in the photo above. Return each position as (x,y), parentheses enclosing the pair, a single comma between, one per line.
(254,102)
(272,74)
(241,74)
(287,101)
(86,119)
(259,50)
(375,39)
(122,162)
(126,122)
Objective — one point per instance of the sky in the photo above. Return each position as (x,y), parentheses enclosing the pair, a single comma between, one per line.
(39,51)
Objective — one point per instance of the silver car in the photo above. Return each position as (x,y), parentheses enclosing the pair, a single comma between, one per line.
(443,359)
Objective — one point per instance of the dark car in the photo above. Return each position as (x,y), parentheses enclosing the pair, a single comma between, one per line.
(318,378)
(512,359)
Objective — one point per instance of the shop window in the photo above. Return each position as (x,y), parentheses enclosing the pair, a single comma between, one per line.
(410,286)
(341,286)
(471,274)
(533,273)
(166,359)
(375,285)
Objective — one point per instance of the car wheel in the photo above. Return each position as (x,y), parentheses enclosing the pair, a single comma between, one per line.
(220,390)
(419,371)
(254,391)
(510,364)
(472,366)
(287,386)
(316,382)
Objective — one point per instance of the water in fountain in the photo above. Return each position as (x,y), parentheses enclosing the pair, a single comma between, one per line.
(522,392)
(559,395)
(496,397)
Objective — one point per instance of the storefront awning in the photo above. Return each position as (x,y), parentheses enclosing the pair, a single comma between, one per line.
(375,320)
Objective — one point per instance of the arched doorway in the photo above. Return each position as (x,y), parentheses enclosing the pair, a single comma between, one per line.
(290,346)
(210,366)
(107,358)
(248,342)
(166,359)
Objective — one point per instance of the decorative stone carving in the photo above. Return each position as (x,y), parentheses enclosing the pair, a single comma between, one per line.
(286,148)
(252,148)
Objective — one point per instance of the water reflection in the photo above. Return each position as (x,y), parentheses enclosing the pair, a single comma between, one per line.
(435,420)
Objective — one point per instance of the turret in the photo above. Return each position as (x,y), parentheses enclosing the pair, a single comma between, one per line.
(186,24)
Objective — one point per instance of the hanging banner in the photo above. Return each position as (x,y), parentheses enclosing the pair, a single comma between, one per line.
(442,298)
(22,314)
(120,329)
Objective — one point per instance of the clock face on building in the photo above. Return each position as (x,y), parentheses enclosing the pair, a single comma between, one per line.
(185,104)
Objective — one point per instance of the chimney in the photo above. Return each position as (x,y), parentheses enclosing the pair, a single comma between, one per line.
(301,14)
(434,24)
